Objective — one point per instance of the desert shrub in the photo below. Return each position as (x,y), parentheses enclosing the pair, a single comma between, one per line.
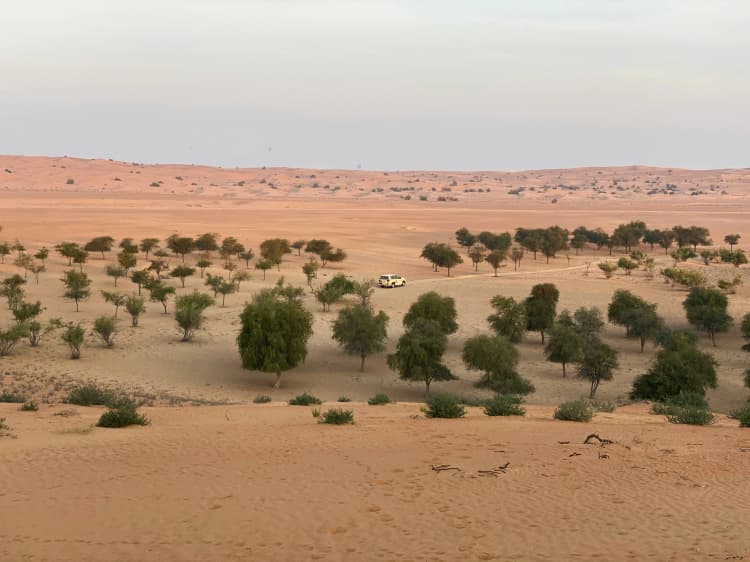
(575,410)
(691,416)
(685,399)
(29,406)
(444,406)
(742,415)
(474,401)
(379,399)
(122,416)
(337,416)
(91,395)
(304,399)
(504,405)
(602,406)
(316,413)
(261,399)
(10,397)
(344,399)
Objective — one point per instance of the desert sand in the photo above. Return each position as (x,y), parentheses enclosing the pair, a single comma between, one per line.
(233,480)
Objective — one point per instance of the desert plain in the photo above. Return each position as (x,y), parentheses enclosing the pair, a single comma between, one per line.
(217,477)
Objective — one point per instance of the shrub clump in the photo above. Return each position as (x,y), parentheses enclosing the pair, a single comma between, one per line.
(687,407)
(602,406)
(304,399)
(29,406)
(261,399)
(12,398)
(123,415)
(344,399)
(337,416)
(743,416)
(504,405)
(691,416)
(444,406)
(92,395)
(379,399)
(575,410)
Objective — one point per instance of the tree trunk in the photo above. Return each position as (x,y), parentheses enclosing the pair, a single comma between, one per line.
(713,339)
(277,384)
(643,343)
(564,373)
(427,388)
(542,332)
(594,386)
(362,364)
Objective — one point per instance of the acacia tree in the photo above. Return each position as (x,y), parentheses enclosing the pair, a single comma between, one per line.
(732,239)
(140,278)
(246,256)
(495,258)
(263,265)
(477,254)
(115,272)
(42,255)
(135,307)
(207,242)
(105,328)
(77,286)
(74,335)
(509,319)
(274,333)
(497,359)
(203,264)
(707,310)
(441,255)
(128,246)
(598,363)
(541,306)
(67,250)
(516,254)
(360,331)
(310,269)
(148,244)
(181,245)
(116,299)
(189,312)
(464,238)
(12,289)
(298,245)
(159,292)
(273,250)
(419,353)
(565,344)
(182,272)
(127,260)
(434,307)
(4,251)
(100,244)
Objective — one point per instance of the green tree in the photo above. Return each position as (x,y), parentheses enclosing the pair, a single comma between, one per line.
(419,353)
(608,268)
(263,265)
(745,330)
(516,255)
(128,246)
(135,307)
(12,290)
(497,359)
(77,286)
(140,278)
(541,307)
(509,319)
(230,246)
(707,310)
(246,256)
(441,255)
(4,251)
(495,258)
(127,260)
(298,245)
(189,312)
(100,244)
(10,337)
(115,272)
(181,272)
(332,256)
(207,242)
(578,242)
(181,245)
(477,254)
(67,250)
(732,240)
(465,238)
(627,264)
(645,324)
(565,345)
(73,336)
(598,363)
(679,367)
(360,331)
(158,292)
(148,244)
(225,288)
(25,312)
(116,299)
(588,322)
(273,250)
(203,264)
(274,333)
(80,257)
(42,255)
(432,306)
(310,269)
(105,328)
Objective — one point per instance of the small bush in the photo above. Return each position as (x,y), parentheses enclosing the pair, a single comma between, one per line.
(444,406)
(10,397)
(29,406)
(3,426)
(337,416)
(742,415)
(304,400)
(122,417)
(602,406)
(261,399)
(685,399)
(575,410)
(92,395)
(691,416)
(504,405)
(344,399)
(474,401)
(70,181)
(379,399)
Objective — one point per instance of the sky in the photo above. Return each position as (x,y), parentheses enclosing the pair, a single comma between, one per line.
(379,84)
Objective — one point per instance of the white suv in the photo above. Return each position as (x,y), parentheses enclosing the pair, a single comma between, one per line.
(391,280)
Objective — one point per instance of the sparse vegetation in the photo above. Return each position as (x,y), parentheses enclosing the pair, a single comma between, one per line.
(444,406)
(575,410)
(304,399)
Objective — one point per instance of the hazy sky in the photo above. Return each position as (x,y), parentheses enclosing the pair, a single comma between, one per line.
(387,84)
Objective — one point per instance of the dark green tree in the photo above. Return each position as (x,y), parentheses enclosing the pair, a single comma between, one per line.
(497,359)
(77,286)
(541,308)
(707,310)
(509,319)
(598,363)
(432,306)
(360,331)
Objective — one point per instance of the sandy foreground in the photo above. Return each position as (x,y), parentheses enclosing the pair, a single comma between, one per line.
(236,480)
(268,483)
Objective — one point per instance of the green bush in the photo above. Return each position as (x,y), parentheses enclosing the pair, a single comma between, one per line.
(576,410)
(304,399)
(685,399)
(10,397)
(473,401)
(92,395)
(337,416)
(344,399)
(379,399)
(691,416)
(444,406)
(3,425)
(261,399)
(504,405)
(29,406)
(742,415)
(122,416)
